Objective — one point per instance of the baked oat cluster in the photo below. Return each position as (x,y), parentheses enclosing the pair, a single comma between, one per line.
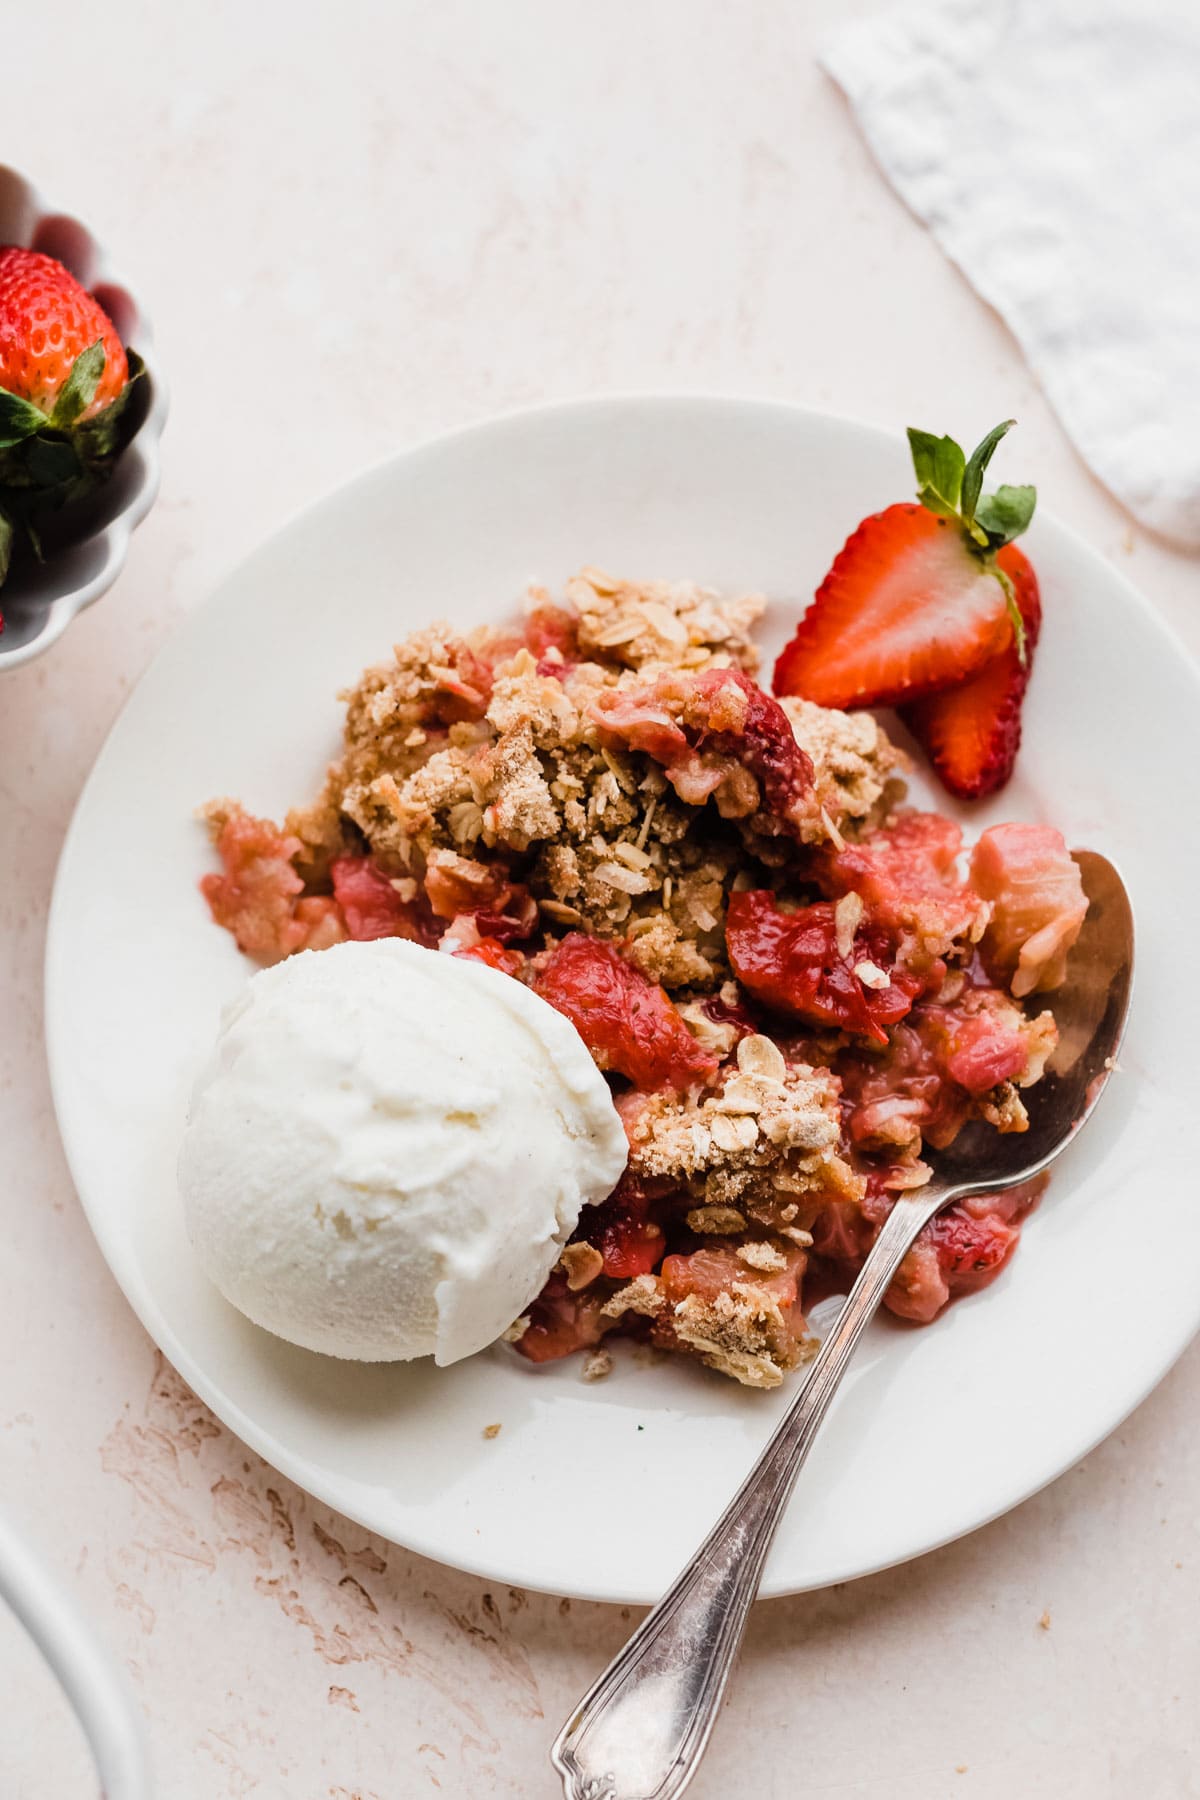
(784,972)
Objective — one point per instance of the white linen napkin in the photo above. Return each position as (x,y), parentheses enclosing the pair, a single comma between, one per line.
(1053,149)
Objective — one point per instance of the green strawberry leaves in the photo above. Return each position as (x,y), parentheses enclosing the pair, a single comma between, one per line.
(79,389)
(950,484)
(977,462)
(1005,514)
(100,439)
(50,461)
(940,465)
(18,419)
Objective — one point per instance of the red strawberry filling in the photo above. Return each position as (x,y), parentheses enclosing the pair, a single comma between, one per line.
(793,961)
(561,1322)
(961,1251)
(627,1022)
(936,1067)
(714,733)
(622,1230)
(374,907)
(496,955)
(906,874)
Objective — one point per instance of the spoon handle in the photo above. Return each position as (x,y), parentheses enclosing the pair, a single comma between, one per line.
(640,1732)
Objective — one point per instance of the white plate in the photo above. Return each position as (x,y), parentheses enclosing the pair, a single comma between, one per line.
(601,1490)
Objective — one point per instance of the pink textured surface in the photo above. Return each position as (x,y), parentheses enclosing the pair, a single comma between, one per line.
(490,207)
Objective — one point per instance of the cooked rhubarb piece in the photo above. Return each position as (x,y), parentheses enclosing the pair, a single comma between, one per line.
(627,1022)
(552,636)
(1038,904)
(258,895)
(462,685)
(501,908)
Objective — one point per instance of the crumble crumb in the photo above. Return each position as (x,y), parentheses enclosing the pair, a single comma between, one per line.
(596,1365)
(642,1295)
(491,1431)
(740,1332)
(764,1256)
(716,1035)
(716,1221)
(872,976)
(1044,1622)
(582,1263)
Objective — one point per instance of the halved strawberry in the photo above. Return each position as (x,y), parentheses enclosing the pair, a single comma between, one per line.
(972,732)
(917,599)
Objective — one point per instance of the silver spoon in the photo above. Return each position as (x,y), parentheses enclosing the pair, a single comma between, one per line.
(640,1732)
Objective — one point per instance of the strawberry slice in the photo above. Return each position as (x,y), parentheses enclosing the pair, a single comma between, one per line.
(971,733)
(917,599)
(907,608)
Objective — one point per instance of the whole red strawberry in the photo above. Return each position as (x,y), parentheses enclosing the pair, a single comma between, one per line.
(65,380)
(48,321)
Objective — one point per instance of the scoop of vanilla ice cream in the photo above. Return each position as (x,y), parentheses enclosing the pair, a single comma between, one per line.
(389,1148)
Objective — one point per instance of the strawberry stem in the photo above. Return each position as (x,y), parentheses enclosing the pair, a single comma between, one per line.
(1014,612)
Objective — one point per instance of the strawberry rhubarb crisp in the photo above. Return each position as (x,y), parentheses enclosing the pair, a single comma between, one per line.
(792,981)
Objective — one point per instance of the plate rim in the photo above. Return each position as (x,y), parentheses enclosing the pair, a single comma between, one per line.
(261,1440)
